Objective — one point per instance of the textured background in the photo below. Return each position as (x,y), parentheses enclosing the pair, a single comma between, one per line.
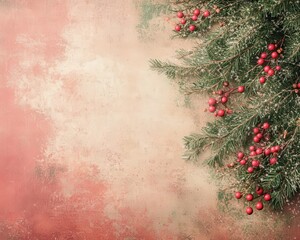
(90,138)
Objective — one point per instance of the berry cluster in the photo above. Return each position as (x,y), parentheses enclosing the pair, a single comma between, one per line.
(296,87)
(219,105)
(189,21)
(249,197)
(260,149)
(269,61)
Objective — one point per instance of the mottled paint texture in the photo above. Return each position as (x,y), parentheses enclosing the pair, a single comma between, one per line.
(90,138)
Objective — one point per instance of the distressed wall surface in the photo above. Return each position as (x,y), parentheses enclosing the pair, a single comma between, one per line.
(90,138)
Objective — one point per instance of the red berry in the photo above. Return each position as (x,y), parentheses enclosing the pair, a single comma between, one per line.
(240,155)
(256,130)
(256,139)
(259,135)
(259,151)
(298,85)
(259,191)
(277,148)
(243,162)
(252,148)
(212,109)
(267,197)
(267,68)
(180,14)
(255,163)
(206,13)
(197,12)
(183,21)
(262,80)
(192,28)
(273,149)
(224,99)
(274,55)
(259,206)
(266,125)
(264,55)
(241,89)
(278,68)
(249,210)
(271,72)
(267,152)
(249,197)
(260,61)
(212,101)
(221,113)
(252,153)
(271,47)
(273,161)
(250,170)
(238,195)
(177,28)
(194,18)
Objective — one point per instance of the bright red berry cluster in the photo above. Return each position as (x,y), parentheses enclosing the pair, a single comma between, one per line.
(260,149)
(259,194)
(218,105)
(189,20)
(296,87)
(269,61)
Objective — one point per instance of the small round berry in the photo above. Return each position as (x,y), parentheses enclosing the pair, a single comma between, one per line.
(266,125)
(192,28)
(249,197)
(264,55)
(240,155)
(226,84)
(255,163)
(224,99)
(183,21)
(259,206)
(180,15)
(212,101)
(206,14)
(259,135)
(260,61)
(273,149)
(271,72)
(256,130)
(267,152)
(259,190)
(267,197)
(274,55)
(194,18)
(220,92)
(278,68)
(238,195)
(252,148)
(273,161)
(277,148)
(249,210)
(252,153)
(267,68)
(177,28)
(256,139)
(298,85)
(262,80)
(243,162)
(212,109)
(250,170)
(241,89)
(197,12)
(271,47)
(221,113)
(259,151)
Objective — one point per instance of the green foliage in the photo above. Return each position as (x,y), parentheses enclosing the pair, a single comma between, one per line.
(230,43)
